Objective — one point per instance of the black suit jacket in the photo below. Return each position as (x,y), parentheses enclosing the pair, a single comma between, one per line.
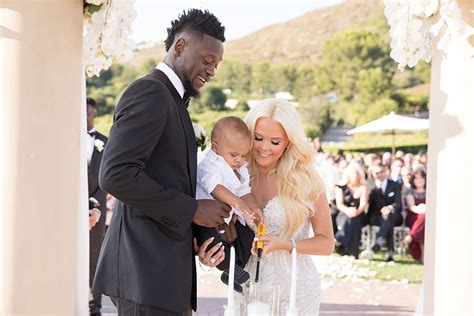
(392,196)
(149,165)
(97,232)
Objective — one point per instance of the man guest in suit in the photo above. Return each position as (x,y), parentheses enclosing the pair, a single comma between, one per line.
(385,206)
(95,146)
(146,264)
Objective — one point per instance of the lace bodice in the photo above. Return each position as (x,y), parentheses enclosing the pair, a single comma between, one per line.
(275,268)
(275,220)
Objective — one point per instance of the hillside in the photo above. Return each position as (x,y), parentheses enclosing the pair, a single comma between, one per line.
(300,40)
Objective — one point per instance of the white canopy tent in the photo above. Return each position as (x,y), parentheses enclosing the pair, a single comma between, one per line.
(392,123)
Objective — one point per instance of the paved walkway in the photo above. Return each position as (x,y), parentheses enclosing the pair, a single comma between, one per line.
(349,296)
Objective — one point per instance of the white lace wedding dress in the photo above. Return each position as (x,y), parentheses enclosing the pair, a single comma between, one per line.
(275,269)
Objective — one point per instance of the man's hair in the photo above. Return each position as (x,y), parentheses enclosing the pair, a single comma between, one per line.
(196,20)
(232,124)
(91,102)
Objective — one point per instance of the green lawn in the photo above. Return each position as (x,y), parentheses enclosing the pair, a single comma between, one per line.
(403,270)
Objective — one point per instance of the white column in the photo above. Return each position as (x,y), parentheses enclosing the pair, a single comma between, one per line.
(448,288)
(43,193)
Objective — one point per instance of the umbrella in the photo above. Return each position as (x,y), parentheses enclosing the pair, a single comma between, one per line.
(391,123)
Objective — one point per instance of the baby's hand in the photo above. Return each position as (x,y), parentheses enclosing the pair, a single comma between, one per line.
(243,207)
(258,216)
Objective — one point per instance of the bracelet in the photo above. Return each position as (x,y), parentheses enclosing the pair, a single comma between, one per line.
(293,245)
(202,268)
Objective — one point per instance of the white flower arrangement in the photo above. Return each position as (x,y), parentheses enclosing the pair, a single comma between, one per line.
(107,30)
(201,136)
(99,145)
(415,23)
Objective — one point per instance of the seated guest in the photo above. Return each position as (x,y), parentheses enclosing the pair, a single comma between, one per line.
(406,185)
(385,206)
(351,201)
(395,171)
(416,199)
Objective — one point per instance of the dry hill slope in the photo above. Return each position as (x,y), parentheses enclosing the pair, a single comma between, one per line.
(300,40)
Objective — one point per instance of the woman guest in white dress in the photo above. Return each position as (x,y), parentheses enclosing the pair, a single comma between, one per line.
(291,194)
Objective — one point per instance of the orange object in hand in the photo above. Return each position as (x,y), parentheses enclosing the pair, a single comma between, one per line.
(260,233)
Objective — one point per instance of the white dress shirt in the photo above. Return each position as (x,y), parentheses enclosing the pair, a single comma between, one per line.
(214,170)
(173,77)
(90,145)
(381,184)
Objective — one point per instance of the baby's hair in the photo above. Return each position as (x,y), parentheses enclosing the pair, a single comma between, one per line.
(230,123)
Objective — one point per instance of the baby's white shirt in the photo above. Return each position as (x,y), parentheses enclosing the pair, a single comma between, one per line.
(214,170)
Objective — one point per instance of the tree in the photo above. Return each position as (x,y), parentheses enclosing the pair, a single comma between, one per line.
(262,79)
(146,66)
(284,78)
(235,76)
(316,114)
(212,98)
(348,53)
(304,86)
(372,84)
(379,108)
(108,87)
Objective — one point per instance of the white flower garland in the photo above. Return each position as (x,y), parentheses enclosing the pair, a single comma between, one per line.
(107,33)
(415,23)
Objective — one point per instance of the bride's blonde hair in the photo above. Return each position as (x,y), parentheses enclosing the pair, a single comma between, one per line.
(298,183)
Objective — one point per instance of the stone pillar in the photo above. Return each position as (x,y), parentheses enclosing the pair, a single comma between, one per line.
(43,192)
(448,288)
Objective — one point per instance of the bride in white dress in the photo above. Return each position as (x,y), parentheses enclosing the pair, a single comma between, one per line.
(291,194)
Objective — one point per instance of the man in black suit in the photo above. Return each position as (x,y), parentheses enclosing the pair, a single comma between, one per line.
(95,146)
(385,206)
(147,262)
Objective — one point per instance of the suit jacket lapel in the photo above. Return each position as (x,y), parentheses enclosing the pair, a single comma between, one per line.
(187,127)
(388,188)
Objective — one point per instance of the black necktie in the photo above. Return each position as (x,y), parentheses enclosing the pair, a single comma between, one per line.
(186,99)
(92,134)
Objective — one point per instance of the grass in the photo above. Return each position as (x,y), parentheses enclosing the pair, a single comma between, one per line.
(404,268)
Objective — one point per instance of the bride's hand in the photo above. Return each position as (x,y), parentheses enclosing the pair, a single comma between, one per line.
(213,256)
(270,244)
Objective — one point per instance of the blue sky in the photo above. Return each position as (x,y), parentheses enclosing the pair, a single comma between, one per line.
(240,17)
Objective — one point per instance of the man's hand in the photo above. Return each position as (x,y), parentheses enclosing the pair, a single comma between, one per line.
(230,233)
(385,211)
(211,213)
(94,216)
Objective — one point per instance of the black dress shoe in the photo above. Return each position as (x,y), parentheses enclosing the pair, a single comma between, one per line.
(390,259)
(340,250)
(376,248)
(225,279)
(240,276)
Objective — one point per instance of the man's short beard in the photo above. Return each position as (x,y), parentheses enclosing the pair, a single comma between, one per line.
(190,89)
